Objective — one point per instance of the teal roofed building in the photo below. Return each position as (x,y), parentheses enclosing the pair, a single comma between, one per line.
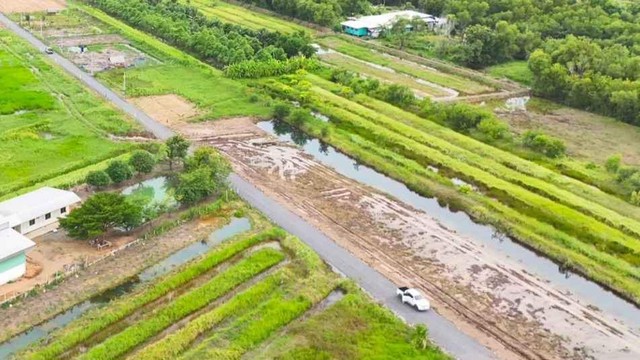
(28,216)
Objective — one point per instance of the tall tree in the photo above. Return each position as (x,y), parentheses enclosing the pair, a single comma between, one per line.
(177,147)
(100,213)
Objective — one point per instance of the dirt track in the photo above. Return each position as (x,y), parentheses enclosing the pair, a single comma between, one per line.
(483,292)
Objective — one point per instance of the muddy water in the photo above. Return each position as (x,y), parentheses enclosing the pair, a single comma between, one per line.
(546,269)
(21,341)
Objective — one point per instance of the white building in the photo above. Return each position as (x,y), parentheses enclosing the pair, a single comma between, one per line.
(373,25)
(27,216)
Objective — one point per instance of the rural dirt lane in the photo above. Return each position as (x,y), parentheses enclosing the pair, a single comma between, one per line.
(443,332)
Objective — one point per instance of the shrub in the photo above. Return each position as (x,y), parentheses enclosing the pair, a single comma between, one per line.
(543,143)
(625,172)
(299,117)
(493,128)
(119,171)
(142,161)
(634,180)
(281,111)
(462,117)
(98,178)
(635,198)
(613,163)
(398,95)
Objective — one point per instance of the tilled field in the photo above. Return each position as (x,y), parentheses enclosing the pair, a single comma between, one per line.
(496,299)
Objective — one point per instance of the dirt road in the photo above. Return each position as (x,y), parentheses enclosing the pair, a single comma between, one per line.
(485,293)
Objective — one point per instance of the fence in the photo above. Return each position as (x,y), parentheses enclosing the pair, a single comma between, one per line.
(68,270)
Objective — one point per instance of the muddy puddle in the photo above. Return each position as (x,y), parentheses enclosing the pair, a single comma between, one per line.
(21,341)
(535,263)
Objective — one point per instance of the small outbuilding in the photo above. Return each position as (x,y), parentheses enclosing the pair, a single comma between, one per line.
(27,216)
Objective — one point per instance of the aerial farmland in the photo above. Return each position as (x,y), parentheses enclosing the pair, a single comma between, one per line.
(256,181)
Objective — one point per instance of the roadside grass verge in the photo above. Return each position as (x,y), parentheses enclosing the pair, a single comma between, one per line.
(241,16)
(95,321)
(188,303)
(464,86)
(352,328)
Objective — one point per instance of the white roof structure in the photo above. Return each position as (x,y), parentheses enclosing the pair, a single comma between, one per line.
(386,20)
(29,206)
(116,59)
(12,242)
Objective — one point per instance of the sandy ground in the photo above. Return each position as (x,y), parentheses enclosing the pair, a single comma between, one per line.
(13,6)
(168,109)
(485,293)
(102,276)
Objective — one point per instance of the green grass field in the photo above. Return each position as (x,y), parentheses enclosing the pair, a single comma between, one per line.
(227,303)
(573,222)
(215,95)
(514,70)
(458,83)
(50,124)
(250,19)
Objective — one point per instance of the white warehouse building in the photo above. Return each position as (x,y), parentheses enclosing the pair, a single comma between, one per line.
(24,217)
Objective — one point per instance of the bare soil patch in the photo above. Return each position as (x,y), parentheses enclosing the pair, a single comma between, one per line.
(108,57)
(14,6)
(484,292)
(588,136)
(169,109)
(90,40)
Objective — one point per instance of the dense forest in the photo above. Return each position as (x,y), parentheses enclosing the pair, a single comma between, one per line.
(221,44)
(585,53)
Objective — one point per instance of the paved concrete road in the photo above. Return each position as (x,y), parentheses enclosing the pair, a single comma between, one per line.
(443,332)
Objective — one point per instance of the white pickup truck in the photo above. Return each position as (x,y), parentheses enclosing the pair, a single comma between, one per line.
(413,297)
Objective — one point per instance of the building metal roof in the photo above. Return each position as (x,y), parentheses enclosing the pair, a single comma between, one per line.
(12,243)
(31,205)
(386,20)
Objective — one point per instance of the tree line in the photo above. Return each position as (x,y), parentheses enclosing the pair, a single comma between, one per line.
(220,44)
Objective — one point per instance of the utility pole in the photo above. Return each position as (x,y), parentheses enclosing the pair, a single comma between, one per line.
(124,81)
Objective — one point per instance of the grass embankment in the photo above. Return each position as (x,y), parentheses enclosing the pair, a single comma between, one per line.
(514,70)
(95,321)
(49,123)
(383,75)
(458,83)
(186,304)
(404,159)
(244,17)
(477,165)
(205,86)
